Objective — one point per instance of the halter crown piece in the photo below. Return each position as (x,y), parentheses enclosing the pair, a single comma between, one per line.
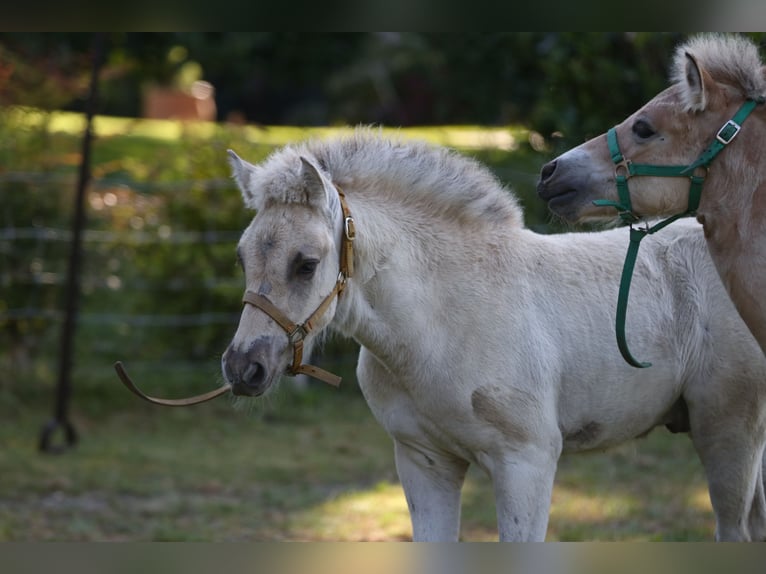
(624,170)
(296,333)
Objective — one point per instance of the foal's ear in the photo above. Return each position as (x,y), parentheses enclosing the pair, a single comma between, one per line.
(242,172)
(315,183)
(701,88)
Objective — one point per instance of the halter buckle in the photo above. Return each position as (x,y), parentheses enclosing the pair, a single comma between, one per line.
(728,132)
(349,228)
(296,335)
(626,165)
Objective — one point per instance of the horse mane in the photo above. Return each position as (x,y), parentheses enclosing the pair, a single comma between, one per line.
(414,172)
(729,59)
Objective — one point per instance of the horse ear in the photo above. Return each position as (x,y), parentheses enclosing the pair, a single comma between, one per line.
(701,87)
(316,185)
(696,92)
(242,172)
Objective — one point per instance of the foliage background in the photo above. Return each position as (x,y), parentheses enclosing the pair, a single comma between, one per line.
(573,83)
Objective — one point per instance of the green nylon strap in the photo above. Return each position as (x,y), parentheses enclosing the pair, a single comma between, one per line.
(724,136)
(636,235)
(614,148)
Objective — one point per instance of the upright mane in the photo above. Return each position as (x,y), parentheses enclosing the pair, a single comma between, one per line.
(414,172)
(729,59)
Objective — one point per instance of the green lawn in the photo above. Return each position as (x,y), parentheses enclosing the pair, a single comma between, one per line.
(297,466)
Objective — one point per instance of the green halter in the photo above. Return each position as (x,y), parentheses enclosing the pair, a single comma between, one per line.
(624,170)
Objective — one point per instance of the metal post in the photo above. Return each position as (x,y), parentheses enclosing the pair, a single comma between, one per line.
(64,388)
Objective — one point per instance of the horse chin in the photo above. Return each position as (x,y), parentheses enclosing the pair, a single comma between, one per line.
(569,207)
(243,390)
(253,389)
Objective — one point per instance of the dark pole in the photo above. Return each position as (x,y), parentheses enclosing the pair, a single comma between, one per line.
(64,388)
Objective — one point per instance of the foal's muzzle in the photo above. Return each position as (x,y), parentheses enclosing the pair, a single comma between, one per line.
(250,372)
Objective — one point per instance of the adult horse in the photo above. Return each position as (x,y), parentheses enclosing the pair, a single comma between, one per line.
(710,124)
(483,342)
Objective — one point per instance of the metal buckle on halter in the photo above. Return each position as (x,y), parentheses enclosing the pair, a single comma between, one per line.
(296,335)
(728,132)
(639,225)
(625,163)
(349,228)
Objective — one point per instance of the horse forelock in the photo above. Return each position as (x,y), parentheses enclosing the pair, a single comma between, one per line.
(367,163)
(729,59)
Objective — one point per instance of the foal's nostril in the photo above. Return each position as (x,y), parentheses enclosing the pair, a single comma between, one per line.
(254,375)
(547,171)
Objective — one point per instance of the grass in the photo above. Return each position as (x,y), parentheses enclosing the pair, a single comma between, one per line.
(301,466)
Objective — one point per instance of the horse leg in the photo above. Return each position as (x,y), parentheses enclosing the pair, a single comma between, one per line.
(732,454)
(758,510)
(432,482)
(523,487)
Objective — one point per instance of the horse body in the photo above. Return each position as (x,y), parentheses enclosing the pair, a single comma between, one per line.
(485,343)
(713,75)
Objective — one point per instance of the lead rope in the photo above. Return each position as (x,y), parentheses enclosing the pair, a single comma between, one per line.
(625,209)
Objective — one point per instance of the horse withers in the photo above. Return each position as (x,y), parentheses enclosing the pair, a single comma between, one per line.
(483,342)
(710,124)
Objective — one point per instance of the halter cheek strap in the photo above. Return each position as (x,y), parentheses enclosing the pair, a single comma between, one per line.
(624,170)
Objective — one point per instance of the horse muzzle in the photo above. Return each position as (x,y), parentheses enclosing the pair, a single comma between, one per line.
(558,187)
(251,372)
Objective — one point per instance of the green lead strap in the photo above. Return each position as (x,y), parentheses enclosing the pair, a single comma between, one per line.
(636,236)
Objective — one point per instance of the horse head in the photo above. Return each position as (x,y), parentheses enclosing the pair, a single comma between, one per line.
(713,75)
(291,258)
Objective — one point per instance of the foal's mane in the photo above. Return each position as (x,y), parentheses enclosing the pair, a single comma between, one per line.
(366,162)
(730,59)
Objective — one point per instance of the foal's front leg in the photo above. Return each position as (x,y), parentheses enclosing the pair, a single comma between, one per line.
(432,482)
(523,484)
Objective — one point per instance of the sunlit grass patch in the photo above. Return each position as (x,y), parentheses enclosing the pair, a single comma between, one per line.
(379,513)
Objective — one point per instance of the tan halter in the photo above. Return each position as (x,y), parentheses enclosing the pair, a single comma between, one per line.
(296,333)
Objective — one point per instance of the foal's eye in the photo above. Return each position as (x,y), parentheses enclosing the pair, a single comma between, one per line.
(642,129)
(307,268)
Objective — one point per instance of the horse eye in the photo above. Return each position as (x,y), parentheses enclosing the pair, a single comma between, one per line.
(643,130)
(307,268)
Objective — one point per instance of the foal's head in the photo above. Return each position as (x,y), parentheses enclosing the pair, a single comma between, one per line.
(713,75)
(290,256)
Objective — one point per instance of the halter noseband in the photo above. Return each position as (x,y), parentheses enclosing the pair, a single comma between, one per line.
(625,169)
(296,332)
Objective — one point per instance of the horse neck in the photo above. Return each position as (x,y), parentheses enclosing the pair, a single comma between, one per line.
(733,212)
(397,254)
(733,196)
